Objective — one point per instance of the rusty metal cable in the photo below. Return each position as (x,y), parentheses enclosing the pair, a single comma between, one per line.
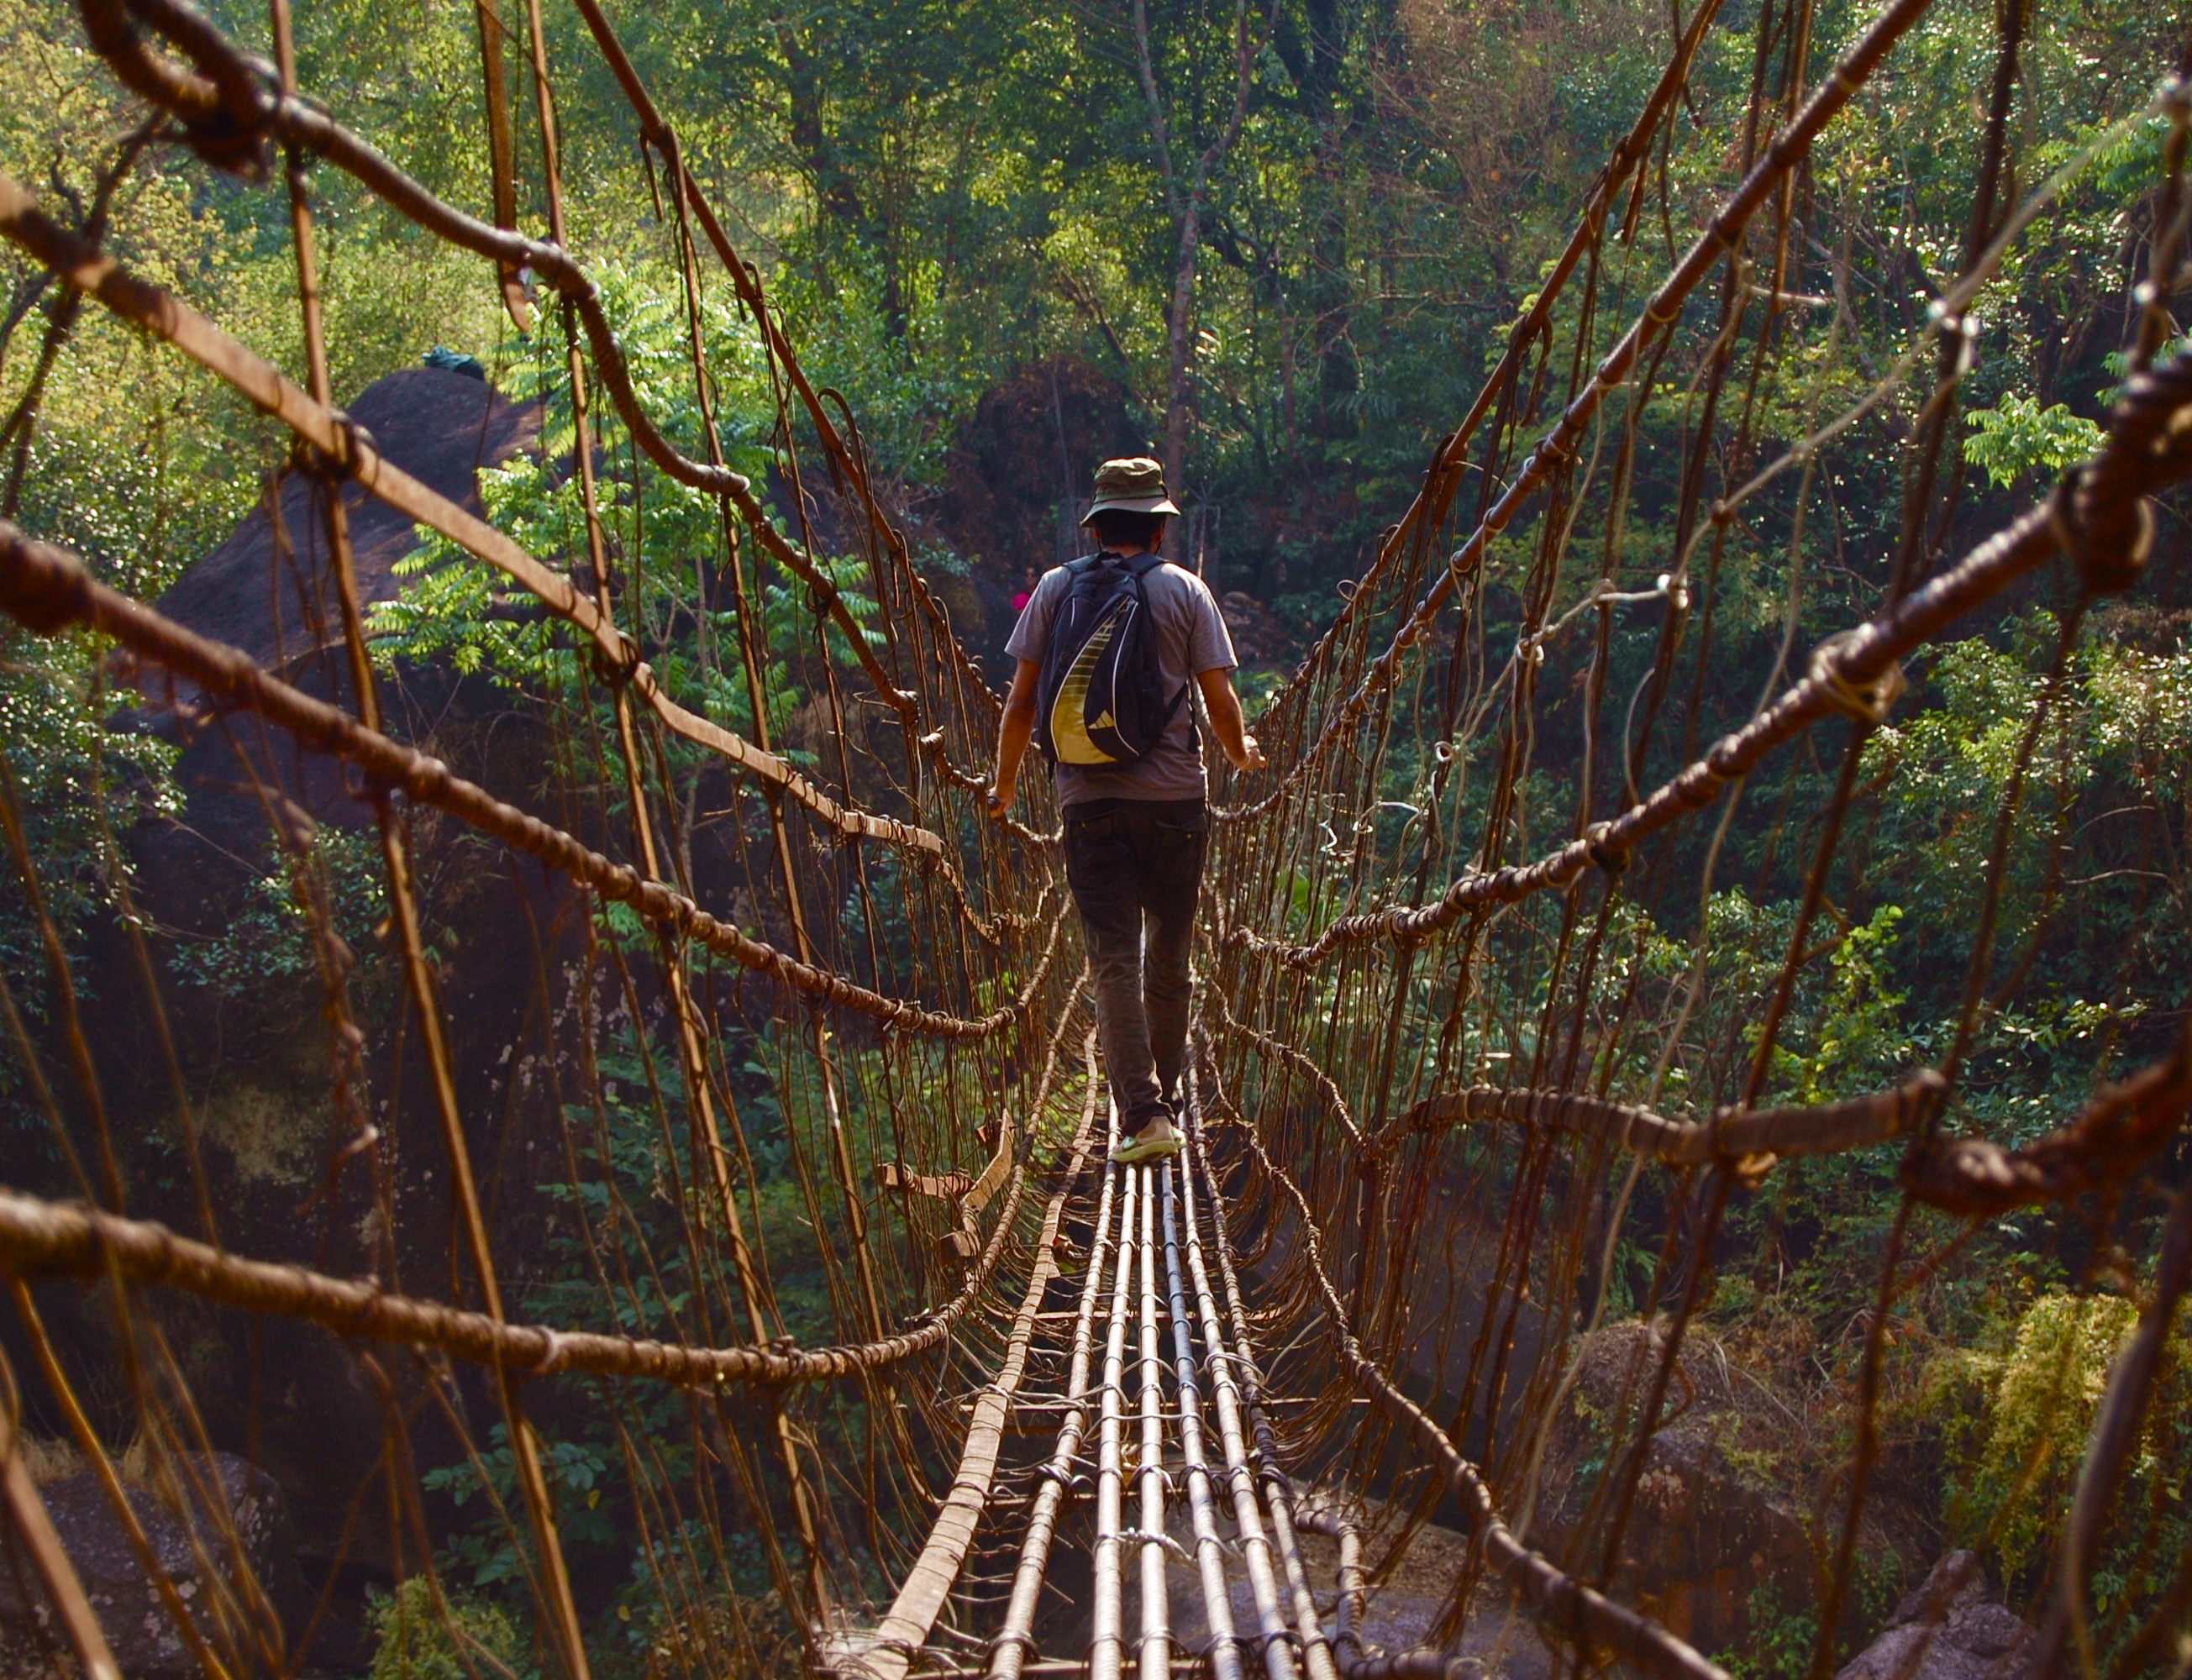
(2098,518)
(46,589)
(340,442)
(1488,1031)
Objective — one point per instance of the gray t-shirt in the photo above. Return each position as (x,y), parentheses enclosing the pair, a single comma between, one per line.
(1191,639)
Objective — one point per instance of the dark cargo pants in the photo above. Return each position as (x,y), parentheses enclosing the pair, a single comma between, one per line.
(1136,869)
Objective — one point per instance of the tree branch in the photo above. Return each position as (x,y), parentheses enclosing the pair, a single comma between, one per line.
(1147,65)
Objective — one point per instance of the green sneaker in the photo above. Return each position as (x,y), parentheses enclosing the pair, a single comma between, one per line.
(1153,1142)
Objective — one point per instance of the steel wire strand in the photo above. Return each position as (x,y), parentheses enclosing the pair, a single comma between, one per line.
(352,453)
(1106,1614)
(1558,446)
(47,588)
(1009,1654)
(1552,1596)
(2098,515)
(1223,1655)
(1263,1461)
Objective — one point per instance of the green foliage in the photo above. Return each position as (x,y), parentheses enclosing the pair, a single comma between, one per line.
(76,782)
(2017,438)
(942,197)
(2039,1398)
(1780,1641)
(461,1637)
(664,541)
(496,1549)
(2020,1419)
(273,935)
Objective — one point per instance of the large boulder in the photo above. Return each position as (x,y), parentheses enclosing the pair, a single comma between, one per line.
(266,589)
(1951,1628)
(226,1552)
(1407,1600)
(1707,1544)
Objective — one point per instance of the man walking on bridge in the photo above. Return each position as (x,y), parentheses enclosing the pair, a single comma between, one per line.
(1109,647)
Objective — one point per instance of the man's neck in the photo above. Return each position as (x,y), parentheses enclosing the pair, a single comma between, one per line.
(1126,550)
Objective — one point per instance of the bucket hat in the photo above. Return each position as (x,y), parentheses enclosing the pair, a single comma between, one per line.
(1133,484)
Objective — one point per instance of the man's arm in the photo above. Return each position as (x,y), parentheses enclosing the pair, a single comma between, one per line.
(1015,730)
(1226,722)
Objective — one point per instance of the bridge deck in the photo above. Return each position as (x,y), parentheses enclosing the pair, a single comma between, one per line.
(1141,1440)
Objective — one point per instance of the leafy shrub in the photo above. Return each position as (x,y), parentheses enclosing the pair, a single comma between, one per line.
(2018,1423)
(2023,1419)
(461,1637)
(2019,437)
(273,934)
(2036,1407)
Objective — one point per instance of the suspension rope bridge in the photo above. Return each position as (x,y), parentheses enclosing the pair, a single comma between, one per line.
(1070,1411)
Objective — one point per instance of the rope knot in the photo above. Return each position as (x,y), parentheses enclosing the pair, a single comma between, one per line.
(617,672)
(340,463)
(2108,536)
(1605,855)
(1866,702)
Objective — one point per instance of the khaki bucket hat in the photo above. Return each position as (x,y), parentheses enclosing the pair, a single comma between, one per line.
(1134,484)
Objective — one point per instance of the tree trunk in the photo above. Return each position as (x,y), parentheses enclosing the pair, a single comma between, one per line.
(1338,378)
(834,186)
(1185,202)
(1180,342)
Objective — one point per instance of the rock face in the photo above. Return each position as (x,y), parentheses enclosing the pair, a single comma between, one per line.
(439,427)
(1951,1628)
(235,1512)
(1406,1602)
(255,1051)
(1705,1544)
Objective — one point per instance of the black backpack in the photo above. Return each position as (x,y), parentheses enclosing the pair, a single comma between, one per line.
(1101,698)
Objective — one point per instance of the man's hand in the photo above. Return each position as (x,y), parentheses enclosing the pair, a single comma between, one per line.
(1015,730)
(1226,722)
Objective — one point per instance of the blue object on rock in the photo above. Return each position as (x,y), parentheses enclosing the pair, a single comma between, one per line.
(449,361)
